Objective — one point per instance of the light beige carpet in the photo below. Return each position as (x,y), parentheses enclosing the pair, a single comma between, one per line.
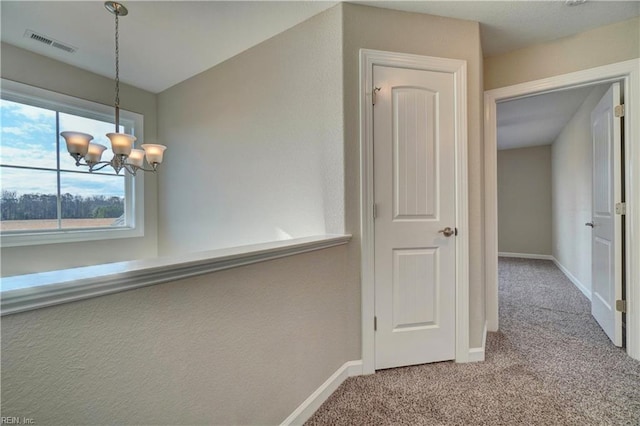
(550,364)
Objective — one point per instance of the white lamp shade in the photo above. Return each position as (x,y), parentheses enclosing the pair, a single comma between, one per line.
(94,154)
(136,157)
(121,143)
(77,143)
(154,152)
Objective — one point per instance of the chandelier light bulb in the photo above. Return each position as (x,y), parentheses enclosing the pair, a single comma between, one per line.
(94,154)
(136,157)
(77,142)
(121,143)
(154,153)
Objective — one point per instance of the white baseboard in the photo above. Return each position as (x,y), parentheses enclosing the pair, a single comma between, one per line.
(526,256)
(320,395)
(573,279)
(477,354)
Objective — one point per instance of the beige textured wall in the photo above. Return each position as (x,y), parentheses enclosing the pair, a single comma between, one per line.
(267,128)
(524,200)
(382,29)
(241,346)
(246,345)
(572,162)
(36,70)
(605,45)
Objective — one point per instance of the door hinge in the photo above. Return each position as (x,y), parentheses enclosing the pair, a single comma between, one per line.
(375,323)
(621,306)
(619,111)
(375,210)
(455,231)
(374,94)
(621,208)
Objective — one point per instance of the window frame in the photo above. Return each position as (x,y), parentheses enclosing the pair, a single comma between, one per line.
(134,188)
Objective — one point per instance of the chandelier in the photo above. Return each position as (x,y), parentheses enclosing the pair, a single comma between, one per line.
(125,156)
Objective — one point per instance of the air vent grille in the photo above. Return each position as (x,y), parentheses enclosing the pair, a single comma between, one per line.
(63,47)
(41,39)
(49,41)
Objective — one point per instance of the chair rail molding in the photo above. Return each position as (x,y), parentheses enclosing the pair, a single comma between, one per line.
(27,292)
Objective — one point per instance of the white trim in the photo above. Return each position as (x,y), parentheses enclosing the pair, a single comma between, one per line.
(320,395)
(572,278)
(526,255)
(369,58)
(477,354)
(26,292)
(627,71)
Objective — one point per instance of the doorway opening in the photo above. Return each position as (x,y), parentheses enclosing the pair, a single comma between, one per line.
(556,191)
(625,72)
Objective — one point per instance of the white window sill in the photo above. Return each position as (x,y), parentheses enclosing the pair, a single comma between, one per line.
(55,236)
(27,292)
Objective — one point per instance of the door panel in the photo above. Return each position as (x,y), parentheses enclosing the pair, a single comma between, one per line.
(414,293)
(602,257)
(415,174)
(607,228)
(414,188)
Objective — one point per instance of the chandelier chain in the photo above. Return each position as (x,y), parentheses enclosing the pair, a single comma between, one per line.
(117,63)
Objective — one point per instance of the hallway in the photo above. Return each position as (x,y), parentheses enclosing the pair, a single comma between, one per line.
(550,363)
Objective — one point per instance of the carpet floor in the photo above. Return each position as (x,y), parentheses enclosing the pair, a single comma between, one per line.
(550,364)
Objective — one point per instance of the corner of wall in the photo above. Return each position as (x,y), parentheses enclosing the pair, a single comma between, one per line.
(310,405)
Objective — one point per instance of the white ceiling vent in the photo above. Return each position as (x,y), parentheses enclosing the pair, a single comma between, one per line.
(49,41)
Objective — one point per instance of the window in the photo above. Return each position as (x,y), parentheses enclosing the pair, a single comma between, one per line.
(45,198)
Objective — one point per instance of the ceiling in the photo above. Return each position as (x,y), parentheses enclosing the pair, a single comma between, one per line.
(510,25)
(166,42)
(537,120)
(161,42)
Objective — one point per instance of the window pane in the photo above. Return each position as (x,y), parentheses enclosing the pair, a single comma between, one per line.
(29,199)
(28,135)
(97,129)
(92,200)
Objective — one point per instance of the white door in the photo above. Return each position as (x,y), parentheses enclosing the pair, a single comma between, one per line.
(414,191)
(606,225)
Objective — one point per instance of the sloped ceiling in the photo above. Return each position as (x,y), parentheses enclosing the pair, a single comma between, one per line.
(161,42)
(537,120)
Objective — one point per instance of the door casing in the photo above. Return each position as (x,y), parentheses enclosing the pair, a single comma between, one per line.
(629,73)
(369,58)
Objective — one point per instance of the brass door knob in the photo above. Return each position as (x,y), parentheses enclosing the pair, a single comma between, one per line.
(447,232)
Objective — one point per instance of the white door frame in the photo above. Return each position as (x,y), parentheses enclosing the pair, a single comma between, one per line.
(629,73)
(458,68)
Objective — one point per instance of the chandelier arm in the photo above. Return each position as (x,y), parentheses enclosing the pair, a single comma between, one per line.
(137,169)
(146,170)
(93,167)
(130,168)
(78,158)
